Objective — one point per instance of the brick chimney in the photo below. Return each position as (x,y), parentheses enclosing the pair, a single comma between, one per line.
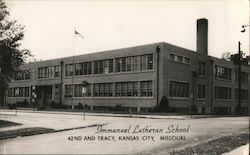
(202,36)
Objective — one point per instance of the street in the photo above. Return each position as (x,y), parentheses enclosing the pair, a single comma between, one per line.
(117,135)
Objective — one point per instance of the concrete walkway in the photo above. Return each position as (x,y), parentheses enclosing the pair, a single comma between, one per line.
(47,120)
(243,150)
(7,111)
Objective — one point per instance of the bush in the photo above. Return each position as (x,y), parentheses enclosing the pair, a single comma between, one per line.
(23,104)
(118,107)
(55,105)
(79,106)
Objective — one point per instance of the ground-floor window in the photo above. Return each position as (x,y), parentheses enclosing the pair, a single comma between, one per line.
(146,88)
(80,91)
(201,91)
(222,92)
(19,92)
(243,94)
(103,89)
(68,90)
(179,89)
(126,89)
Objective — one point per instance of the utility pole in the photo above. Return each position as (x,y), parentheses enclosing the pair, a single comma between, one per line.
(239,79)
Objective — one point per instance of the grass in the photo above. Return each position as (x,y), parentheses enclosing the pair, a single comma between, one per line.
(4,123)
(217,146)
(24,132)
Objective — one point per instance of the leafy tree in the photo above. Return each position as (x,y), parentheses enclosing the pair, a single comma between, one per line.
(11,56)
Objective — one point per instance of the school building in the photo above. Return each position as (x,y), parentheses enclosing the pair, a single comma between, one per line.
(136,78)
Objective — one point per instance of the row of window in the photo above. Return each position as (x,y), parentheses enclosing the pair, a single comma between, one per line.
(181,89)
(22,75)
(119,89)
(19,92)
(123,64)
(178,58)
(222,72)
(49,72)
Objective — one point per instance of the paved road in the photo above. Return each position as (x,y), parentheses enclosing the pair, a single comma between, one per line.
(72,142)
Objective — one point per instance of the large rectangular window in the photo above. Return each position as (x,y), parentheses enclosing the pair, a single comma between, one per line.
(146,88)
(222,72)
(79,69)
(80,91)
(178,58)
(222,92)
(69,69)
(68,90)
(126,89)
(202,68)
(126,64)
(147,62)
(103,89)
(22,75)
(201,91)
(179,89)
(243,94)
(243,77)
(57,71)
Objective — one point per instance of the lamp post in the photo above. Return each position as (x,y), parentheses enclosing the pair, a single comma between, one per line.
(243,28)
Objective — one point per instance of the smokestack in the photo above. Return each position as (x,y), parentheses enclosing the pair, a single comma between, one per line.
(202,33)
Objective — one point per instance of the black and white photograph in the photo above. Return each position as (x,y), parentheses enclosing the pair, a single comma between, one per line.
(165,77)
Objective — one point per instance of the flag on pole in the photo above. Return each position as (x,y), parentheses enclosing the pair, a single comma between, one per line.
(79,34)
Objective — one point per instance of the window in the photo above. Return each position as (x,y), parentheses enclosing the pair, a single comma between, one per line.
(40,73)
(202,68)
(126,89)
(80,91)
(103,89)
(108,66)
(222,92)
(87,68)
(26,92)
(178,58)
(243,94)
(22,75)
(79,69)
(69,70)
(201,91)
(179,89)
(186,60)
(172,57)
(244,77)
(68,91)
(57,71)
(146,88)
(147,62)
(222,72)
(10,92)
(48,72)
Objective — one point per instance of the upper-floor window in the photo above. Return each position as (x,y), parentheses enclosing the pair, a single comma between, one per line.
(202,68)
(69,69)
(126,64)
(222,72)
(178,58)
(80,91)
(22,75)
(103,89)
(147,62)
(243,77)
(126,89)
(57,71)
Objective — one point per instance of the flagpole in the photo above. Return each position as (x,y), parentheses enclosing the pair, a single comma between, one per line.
(73,66)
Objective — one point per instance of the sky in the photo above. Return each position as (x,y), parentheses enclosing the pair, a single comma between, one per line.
(106,24)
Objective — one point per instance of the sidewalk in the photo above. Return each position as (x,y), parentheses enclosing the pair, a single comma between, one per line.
(47,120)
(243,150)
(3,111)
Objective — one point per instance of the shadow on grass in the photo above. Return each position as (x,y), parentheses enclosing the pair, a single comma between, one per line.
(4,123)
(24,132)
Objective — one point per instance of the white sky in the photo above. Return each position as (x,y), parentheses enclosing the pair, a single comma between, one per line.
(49,31)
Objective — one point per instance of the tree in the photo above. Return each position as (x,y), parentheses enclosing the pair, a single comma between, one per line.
(11,56)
